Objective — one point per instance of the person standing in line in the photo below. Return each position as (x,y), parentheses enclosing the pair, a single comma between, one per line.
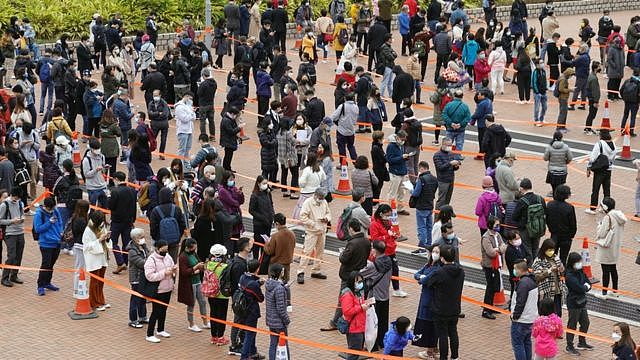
(251,284)
(456,116)
(185,116)
(396,158)
(261,209)
(497,60)
(281,246)
(623,347)
(314,215)
(524,310)
(605,27)
(484,109)
(190,284)
(138,252)
(505,178)
(424,325)
(424,193)
(96,243)
(219,304)
(561,221)
(412,145)
(492,248)
(488,205)
(159,267)
(381,229)
(378,272)
(609,237)
(386,58)
(539,86)
(78,223)
(13,220)
(578,285)
(563,98)
(601,168)
(615,65)
(206,97)
(447,283)
(122,205)
(521,216)
(559,156)
(238,266)
(630,92)
(277,318)
(47,223)
(446,166)
(548,270)
(546,329)
(354,307)
(345,117)
(379,160)
(593,94)
(229,130)
(581,66)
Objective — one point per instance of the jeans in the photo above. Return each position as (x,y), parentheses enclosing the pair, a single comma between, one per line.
(202,303)
(249,344)
(327,167)
(593,110)
(118,230)
(445,191)
(387,81)
(98,198)
(158,313)
(633,109)
(562,113)
(580,89)
(344,143)
(184,147)
(424,224)
(49,258)
(457,136)
(543,49)
(47,88)
(497,80)
(355,341)
(163,136)
(447,330)
(577,316)
(137,305)
(539,107)
(521,340)
(600,178)
(273,344)
(206,116)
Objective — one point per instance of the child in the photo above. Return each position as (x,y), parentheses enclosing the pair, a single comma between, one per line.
(63,151)
(546,329)
(514,253)
(397,338)
(51,171)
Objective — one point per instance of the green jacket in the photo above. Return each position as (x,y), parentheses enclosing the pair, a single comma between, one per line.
(109,135)
(593,87)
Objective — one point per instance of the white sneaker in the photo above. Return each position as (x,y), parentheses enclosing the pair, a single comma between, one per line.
(206,326)
(107,306)
(164,334)
(152,339)
(101,308)
(400,293)
(612,294)
(589,211)
(70,252)
(194,328)
(64,251)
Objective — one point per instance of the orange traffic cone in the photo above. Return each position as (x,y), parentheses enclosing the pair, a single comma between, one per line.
(76,149)
(344,186)
(281,351)
(82,309)
(606,123)
(395,225)
(586,261)
(298,44)
(625,155)
(498,297)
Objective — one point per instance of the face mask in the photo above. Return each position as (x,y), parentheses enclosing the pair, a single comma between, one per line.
(447,149)
(496,228)
(400,142)
(549,253)
(616,337)
(156,98)
(291,74)
(345,86)
(451,236)
(212,177)
(481,56)
(415,55)
(116,52)
(163,253)
(96,151)
(299,122)
(359,286)
(435,257)
(188,102)
(310,34)
(166,182)
(231,183)
(19,128)
(515,273)
(270,126)
(141,241)
(577,266)
(264,187)
(517,242)
(175,170)
(384,217)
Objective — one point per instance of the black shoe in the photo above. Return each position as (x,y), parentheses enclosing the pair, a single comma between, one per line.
(584,346)
(461,315)
(301,278)
(331,327)
(572,351)
(582,108)
(235,350)
(319,276)
(17,280)
(571,108)
(7,283)
(488,315)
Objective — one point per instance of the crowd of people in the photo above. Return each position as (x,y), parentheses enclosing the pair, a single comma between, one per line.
(193,203)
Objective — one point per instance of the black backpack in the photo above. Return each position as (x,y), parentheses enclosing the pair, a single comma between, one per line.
(240,301)
(629,91)
(225,281)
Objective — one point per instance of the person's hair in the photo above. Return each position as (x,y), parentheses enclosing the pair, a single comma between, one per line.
(120,176)
(361,162)
(256,186)
(557,136)
(546,245)
(605,135)
(616,28)
(402,324)
(180,173)
(226,175)
(546,306)
(491,221)
(49,202)
(470,37)
(108,117)
(448,253)
(595,65)
(97,219)
(526,184)
(387,37)
(243,242)
(625,338)
(275,270)
(609,202)
(135,233)
(562,192)
(572,259)
(339,19)
(280,218)
(351,280)
(349,96)
(19,104)
(423,164)
(94,143)
(312,160)
(401,134)
(569,41)
(508,235)
(81,210)
(208,210)
(187,243)
(357,194)
(203,138)
(354,224)
(382,209)
(521,265)
(444,214)
(377,136)
(253,265)
(160,244)
(585,21)
(379,246)
(445,227)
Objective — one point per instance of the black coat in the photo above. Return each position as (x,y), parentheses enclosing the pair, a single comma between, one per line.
(122,204)
(561,220)
(577,294)
(403,86)
(261,208)
(206,92)
(376,34)
(278,67)
(447,285)
(181,72)
(268,150)
(379,161)
(228,132)
(354,256)
(429,186)
(154,81)
(496,140)
(314,112)
(279,20)
(84,58)
(165,203)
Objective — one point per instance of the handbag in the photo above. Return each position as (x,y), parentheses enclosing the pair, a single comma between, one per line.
(343,325)
(606,241)
(601,163)
(149,288)
(22,177)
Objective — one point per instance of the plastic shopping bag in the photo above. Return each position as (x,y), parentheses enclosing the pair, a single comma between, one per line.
(371,328)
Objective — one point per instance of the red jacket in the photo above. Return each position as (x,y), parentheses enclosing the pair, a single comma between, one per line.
(350,78)
(481,70)
(378,231)
(353,312)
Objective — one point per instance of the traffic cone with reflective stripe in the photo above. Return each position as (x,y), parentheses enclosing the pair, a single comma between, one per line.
(83,309)
(299,35)
(76,149)
(281,351)
(586,261)
(498,297)
(344,186)
(606,123)
(625,155)
(395,224)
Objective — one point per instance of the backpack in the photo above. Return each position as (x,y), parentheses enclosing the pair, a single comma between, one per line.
(240,302)
(246,56)
(496,210)
(225,281)
(420,48)
(143,196)
(342,228)
(86,152)
(343,37)
(58,132)
(210,283)
(45,72)
(74,193)
(168,227)
(535,219)
(67,234)
(629,91)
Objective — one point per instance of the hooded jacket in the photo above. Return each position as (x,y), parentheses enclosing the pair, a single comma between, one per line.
(268,149)
(577,285)
(154,270)
(507,183)
(426,295)
(263,83)
(251,285)
(484,206)
(93,177)
(228,132)
(395,342)
(561,220)
(497,59)
(346,116)
(403,85)
(607,148)
(558,155)
(379,273)
(581,65)
(614,221)
(524,302)
(615,61)
(165,203)
(261,208)
(496,140)
(563,83)
(456,112)
(447,284)
(546,329)
(397,164)
(276,304)
(49,233)
(354,256)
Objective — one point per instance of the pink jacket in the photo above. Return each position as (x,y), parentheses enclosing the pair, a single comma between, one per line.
(546,329)
(483,206)
(154,270)
(497,59)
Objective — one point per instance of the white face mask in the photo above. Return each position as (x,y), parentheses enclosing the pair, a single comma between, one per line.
(345,86)
(156,98)
(616,337)
(96,151)
(435,256)
(517,242)
(270,126)
(577,266)
(264,187)
(299,122)
(141,241)
(212,177)
(166,182)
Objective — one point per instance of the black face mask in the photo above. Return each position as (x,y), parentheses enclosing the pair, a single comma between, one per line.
(175,170)
(163,253)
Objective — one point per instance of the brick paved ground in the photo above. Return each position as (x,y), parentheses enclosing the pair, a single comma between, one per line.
(31,329)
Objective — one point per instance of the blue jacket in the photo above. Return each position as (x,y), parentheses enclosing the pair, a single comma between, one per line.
(49,234)
(263,83)
(403,23)
(458,14)
(397,164)
(250,283)
(123,113)
(470,52)
(424,306)
(484,108)
(456,112)
(244,20)
(92,104)
(394,341)
(581,65)
(445,172)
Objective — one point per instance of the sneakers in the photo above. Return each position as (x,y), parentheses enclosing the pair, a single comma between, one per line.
(400,293)
(488,315)
(235,350)
(144,320)
(206,326)
(435,142)
(220,341)
(70,252)
(135,324)
(584,346)
(164,334)
(320,276)
(52,287)
(30,213)
(425,355)
(572,351)
(7,283)
(300,278)
(152,339)
(40,291)
(589,211)
(119,269)
(419,252)
(194,328)
(101,308)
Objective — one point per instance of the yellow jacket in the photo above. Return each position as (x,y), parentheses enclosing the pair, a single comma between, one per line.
(58,123)
(308,46)
(354,12)
(336,32)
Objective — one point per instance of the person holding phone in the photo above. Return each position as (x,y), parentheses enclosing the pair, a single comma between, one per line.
(48,224)
(13,234)
(96,243)
(189,283)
